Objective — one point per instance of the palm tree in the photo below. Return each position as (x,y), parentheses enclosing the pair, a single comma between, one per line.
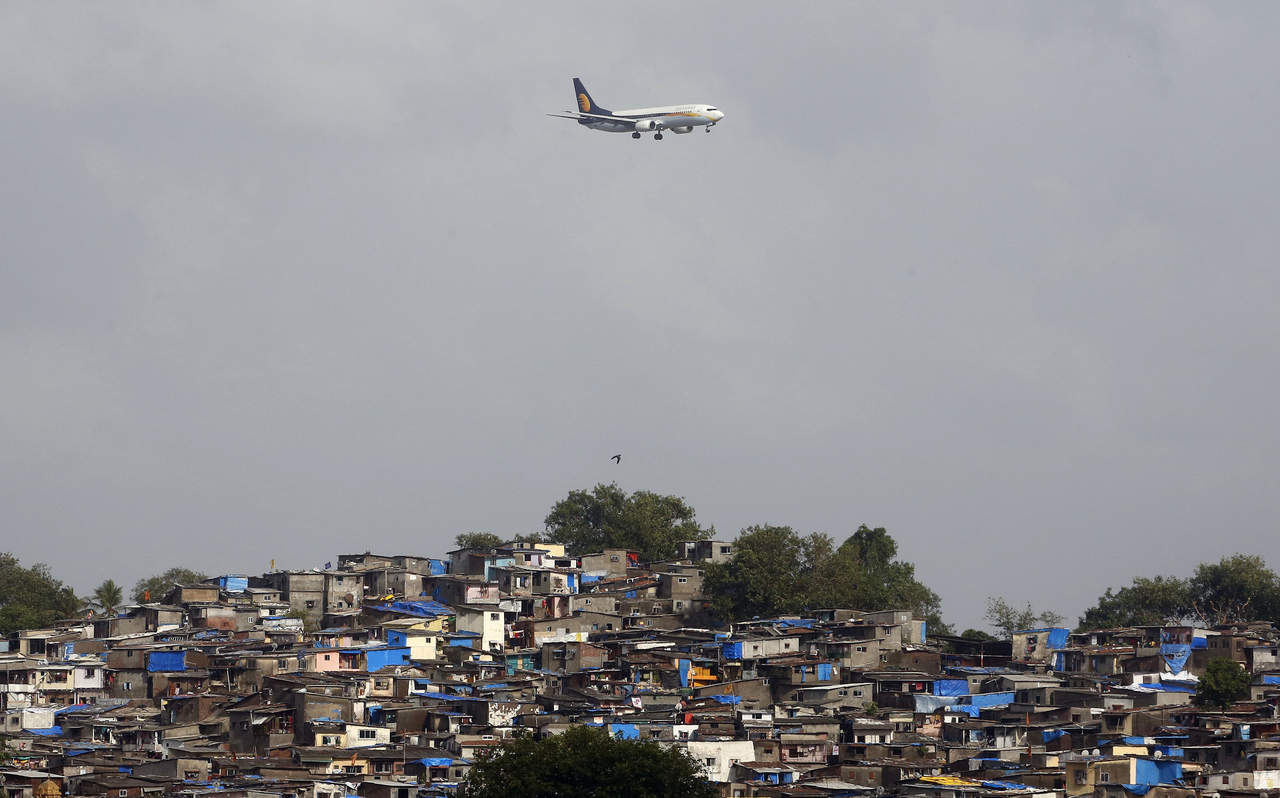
(107,598)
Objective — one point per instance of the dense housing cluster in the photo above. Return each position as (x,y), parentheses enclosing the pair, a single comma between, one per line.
(388,676)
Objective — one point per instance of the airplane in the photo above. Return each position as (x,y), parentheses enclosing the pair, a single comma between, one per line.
(676,118)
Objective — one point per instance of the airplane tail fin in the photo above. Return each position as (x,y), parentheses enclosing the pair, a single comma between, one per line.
(585,104)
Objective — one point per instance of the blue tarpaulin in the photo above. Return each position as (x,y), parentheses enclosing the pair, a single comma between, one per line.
(1049,735)
(1157,771)
(991,699)
(419,609)
(166,661)
(732,650)
(1004,785)
(1270,679)
(824,670)
(1175,656)
(952,687)
(1136,789)
(436,761)
(624,731)
(682,665)
(727,699)
(52,731)
(233,584)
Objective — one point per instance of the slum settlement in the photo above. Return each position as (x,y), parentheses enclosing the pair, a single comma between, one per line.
(389,676)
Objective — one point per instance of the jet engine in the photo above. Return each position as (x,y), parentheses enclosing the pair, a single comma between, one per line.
(648,124)
(682,129)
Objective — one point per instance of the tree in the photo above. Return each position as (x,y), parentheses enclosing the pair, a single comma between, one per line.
(1007,619)
(1235,589)
(588,762)
(768,573)
(777,570)
(107,598)
(607,518)
(1224,682)
(977,634)
(156,586)
(1145,602)
(31,597)
(477,540)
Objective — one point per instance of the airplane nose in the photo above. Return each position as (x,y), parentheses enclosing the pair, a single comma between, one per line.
(719,115)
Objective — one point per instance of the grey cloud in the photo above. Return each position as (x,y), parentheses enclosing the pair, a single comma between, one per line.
(279,281)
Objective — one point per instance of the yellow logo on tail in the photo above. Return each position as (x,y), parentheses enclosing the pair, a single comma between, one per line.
(584,104)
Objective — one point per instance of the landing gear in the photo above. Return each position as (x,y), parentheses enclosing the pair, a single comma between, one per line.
(708,127)
(657,137)
(635,135)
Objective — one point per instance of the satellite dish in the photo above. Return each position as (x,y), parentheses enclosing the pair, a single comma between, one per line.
(1095,752)
(1160,755)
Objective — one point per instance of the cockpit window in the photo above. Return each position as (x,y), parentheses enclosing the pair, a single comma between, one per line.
(709,108)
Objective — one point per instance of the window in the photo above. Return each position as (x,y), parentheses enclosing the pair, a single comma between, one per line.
(123,793)
(310,605)
(613,558)
(709,763)
(368,734)
(682,579)
(1104,777)
(724,549)
(1245,781)
(382,767)
(493,616)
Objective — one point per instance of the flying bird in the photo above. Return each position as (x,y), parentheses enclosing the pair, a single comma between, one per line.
(617,458)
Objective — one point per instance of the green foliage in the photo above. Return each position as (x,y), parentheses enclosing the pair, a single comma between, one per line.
(586,762)
(477,540)
(31,597)
(106,599)
(1224,682)
(977,634)
(607,518)
(1236,589)
(1007,619)
(1145,602)
(776,570)
(159,584)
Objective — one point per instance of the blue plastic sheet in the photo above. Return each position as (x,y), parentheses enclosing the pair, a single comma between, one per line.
(1175,656)
(166,661)
(991,699)
(951,687)
(1049,735)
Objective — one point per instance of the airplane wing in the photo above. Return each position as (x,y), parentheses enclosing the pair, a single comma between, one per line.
(572,115)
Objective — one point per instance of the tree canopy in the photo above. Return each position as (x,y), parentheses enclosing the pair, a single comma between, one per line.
(1235,589)
(156,586)
(31,597)
(606,517)
(477,540)
(106,598)
(777,570)
(1007,619)
(587,762)
(1224,682)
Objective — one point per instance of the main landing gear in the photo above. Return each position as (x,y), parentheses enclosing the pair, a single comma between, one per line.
(635,135)
(657,137)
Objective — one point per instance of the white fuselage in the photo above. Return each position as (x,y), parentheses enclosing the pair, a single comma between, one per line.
(679,118)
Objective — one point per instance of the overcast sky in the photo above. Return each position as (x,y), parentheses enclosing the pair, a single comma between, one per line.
(280,281)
